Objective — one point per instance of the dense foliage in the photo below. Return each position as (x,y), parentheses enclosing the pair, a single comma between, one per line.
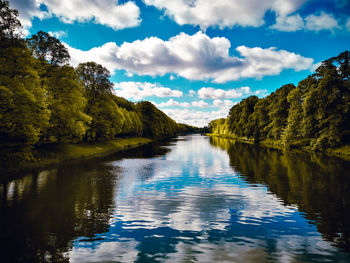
(43,99)
(314,114)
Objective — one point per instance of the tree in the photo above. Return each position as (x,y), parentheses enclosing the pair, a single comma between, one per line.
(155,123)
(329,101)
(10,26)
(106,115)
(48,49)
(258,120)
(239,115)
(293,130)
(278,112)
(23,103)
(95,79)
(68,121)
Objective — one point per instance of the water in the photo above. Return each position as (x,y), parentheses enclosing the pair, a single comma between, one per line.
(191,199)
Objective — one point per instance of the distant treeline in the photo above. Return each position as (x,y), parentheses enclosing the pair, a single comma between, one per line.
(43,99)
(315,114)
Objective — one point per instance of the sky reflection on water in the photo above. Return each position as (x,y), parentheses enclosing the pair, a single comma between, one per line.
(191,200)
(191,205)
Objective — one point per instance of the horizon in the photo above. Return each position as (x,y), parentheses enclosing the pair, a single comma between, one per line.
(195,61)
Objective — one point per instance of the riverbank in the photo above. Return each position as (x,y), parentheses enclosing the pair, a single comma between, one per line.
(341,152)
(47,155)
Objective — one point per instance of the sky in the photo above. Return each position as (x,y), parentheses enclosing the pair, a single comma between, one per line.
(194,59)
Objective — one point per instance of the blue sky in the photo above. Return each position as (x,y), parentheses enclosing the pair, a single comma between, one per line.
(195,58)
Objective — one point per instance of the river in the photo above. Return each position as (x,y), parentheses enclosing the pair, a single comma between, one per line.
(189,199)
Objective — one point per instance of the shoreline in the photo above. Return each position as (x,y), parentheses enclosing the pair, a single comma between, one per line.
(341,152)
(50,155)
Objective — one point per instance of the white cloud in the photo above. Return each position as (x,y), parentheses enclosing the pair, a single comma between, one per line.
(129,74)
(200,117)
(27,10)
(315,66)
(200,104)
(312,22)
(347,25)
(58,34)
(270,61)
(104,12)
(288,23)
(196,57)
(191,93)
(223,103)
(171,103)
(193,117)
(224,13)
(323,21)
(140,90)
(212,93)
(261,92)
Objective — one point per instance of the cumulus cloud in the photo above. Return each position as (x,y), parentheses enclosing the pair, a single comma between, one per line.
(312,22)
(194,57)
(212,93)
(104,12)
(140,90)
(289,23)
(172,102)
(194,117)
(28,9)
(58,34)
(200,104)
(270,61)
(201,112)
(323,21)
(224,13)
(223,103)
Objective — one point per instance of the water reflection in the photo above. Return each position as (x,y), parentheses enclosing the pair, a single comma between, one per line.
(41,214)
(317,184)
(185,200)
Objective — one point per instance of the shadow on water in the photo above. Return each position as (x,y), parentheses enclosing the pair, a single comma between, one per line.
(12,158)
(43,211)
(319,185)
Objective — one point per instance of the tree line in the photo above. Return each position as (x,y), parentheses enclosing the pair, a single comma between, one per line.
(314,114)
(43,99)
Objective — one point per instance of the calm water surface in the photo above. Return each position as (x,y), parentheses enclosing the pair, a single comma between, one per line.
(191,199)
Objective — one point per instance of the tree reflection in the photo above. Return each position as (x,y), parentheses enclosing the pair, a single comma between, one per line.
(317,184)
(41,214)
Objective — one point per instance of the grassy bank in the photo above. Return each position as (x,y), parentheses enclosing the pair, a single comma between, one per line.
(341,152)
(48,155)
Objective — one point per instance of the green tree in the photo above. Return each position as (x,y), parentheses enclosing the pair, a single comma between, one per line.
(293,130)
(106,116)
(48,49)
(68,121)
(239,115)
(23,103)
(155,123)
(278,112)
(258,120)
(10,26)
(95,79)
(328,100)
